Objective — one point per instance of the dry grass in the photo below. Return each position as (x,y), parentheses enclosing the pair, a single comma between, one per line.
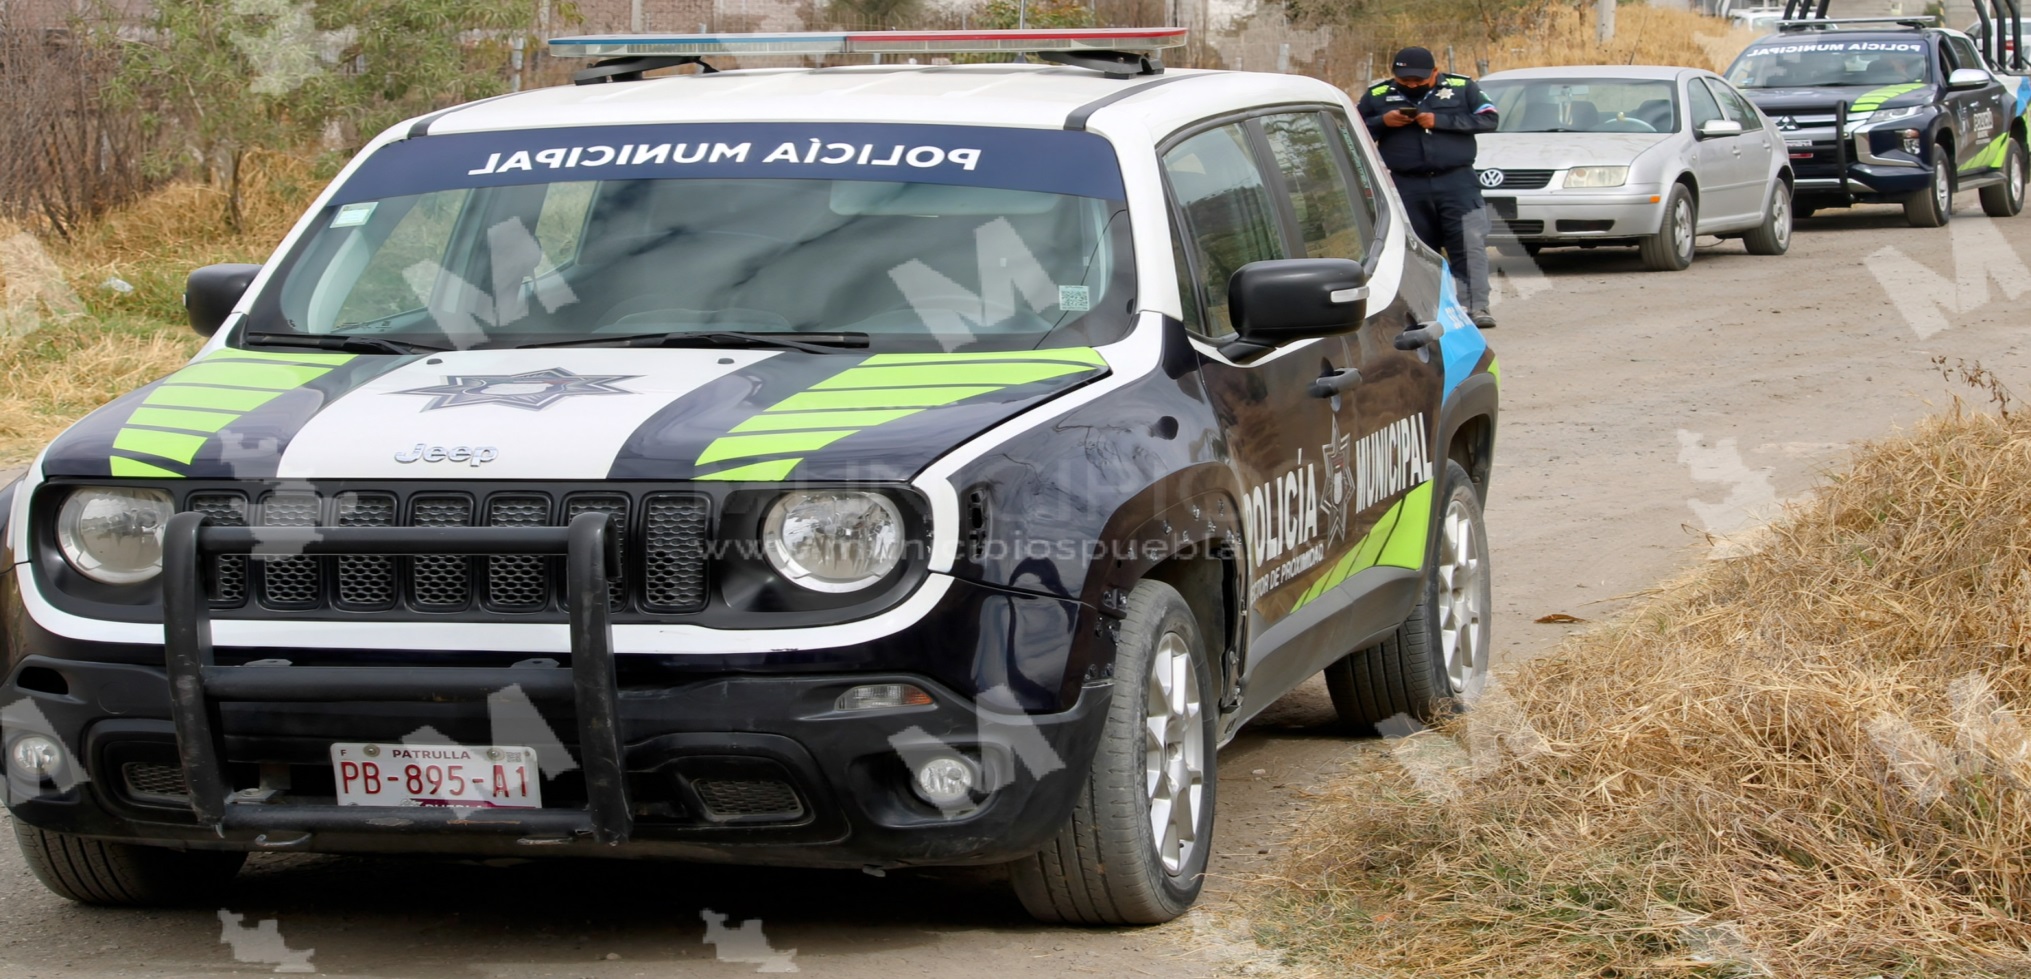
(80,343)
(1644,35)
(1811,761)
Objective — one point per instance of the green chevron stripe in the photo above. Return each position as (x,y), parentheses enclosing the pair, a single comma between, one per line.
(881,389)
(760,472)
(1871,101)
(175,419)
(1396,541)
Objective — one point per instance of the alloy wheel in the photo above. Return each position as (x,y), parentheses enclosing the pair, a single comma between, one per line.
(1174,752)
(1462,566)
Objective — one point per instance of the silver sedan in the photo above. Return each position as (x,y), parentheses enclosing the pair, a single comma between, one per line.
(1632,155)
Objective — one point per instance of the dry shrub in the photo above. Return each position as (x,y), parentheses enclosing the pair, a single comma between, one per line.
(1809,761)
(1644,35)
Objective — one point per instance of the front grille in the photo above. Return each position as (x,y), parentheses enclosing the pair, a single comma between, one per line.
(155,783)
(290,582)
(661,537)
(1519,179)
(748,797)
(228,573)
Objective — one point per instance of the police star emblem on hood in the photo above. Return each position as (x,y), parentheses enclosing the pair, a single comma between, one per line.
(530,391)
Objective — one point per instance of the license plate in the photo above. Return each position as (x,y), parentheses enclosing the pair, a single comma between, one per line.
(481,776)
(1798,144)
(1504,207)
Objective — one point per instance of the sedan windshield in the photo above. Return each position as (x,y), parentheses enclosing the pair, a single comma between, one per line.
(1584,105)
(898,237)
(1814,64)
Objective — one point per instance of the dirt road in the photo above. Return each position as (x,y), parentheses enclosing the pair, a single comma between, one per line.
(1641,411)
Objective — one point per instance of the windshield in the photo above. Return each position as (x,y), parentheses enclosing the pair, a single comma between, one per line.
(920,237)
(1814,64)
(1584,105)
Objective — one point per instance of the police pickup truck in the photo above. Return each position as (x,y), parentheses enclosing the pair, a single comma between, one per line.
(1891,111)
(867,466)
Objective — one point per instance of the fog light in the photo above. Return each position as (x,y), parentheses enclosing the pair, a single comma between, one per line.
(881,696)
(945,781)
(1911,145)
(36,756)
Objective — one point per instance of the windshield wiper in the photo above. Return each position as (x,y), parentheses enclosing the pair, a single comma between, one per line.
(816,343)
(341,341)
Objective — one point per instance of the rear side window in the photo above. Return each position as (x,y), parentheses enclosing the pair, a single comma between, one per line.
(1330,222)
(1229,218)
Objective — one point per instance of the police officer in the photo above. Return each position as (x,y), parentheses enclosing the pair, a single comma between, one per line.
(1424,122)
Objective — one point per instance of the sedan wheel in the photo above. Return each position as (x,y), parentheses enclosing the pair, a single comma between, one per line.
(1671,248)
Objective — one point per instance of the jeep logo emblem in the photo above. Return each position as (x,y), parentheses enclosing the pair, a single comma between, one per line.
(471,455)
(1492,178)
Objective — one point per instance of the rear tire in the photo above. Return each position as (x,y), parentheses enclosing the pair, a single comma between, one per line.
(1773,236)
(2006,199)
(1123,857)
(1671,248)
(1931,206)
(99,872)
(1439,654)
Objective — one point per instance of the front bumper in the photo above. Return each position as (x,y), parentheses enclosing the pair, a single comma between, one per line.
(199,754)
(1558,215)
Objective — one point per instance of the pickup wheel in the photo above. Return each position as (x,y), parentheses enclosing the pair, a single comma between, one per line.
(1931,206)
(1440,654)
(92,871)
(2005,199)
(1134,850)
(1671,248)
(1773,236)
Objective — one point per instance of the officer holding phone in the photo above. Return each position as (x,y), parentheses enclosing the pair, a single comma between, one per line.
(1424,122)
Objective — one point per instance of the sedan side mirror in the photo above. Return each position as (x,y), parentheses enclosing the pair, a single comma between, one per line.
(1720,127)
(1966,78)
(1282,301)
(211,293)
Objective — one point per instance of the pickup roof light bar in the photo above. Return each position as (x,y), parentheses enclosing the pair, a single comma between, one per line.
(869,42)
(1818,23)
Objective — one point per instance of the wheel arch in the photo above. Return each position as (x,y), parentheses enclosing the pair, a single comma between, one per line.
(1467,428)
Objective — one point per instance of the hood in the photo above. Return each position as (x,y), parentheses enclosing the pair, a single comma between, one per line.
(562,414)
(1779,101)
(1558,151)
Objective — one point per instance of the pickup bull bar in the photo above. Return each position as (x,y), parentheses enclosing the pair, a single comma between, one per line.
(198,684)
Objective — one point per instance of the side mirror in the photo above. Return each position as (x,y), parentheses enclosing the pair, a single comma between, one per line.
(1278,302)
(1720,127)
(1966,78)
(211,293)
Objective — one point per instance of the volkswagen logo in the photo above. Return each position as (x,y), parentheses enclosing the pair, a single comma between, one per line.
(1787,123)
(1492,178)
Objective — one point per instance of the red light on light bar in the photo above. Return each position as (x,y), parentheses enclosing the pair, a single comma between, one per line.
(871,42)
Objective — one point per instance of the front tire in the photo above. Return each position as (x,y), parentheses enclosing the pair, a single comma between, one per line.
(2004,200)
(1773,236)
(1440,654)
(1671,248)
(1931,206)
(99,872)
(1134,850)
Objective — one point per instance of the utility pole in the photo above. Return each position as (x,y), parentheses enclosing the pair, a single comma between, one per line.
(1604,21)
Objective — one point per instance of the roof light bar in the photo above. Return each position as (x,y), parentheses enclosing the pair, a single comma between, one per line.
(870,42)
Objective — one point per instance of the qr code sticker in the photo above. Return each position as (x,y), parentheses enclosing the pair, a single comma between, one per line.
(1075,299)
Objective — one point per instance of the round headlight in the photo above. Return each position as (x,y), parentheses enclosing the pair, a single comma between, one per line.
(833,540)
(113,535)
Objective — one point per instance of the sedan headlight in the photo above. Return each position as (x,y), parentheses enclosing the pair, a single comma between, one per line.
(113,535)
(833,540)
(1597,176)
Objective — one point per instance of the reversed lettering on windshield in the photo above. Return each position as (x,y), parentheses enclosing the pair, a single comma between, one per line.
(1047,161)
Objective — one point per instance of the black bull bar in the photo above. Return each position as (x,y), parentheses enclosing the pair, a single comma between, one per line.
(198,685)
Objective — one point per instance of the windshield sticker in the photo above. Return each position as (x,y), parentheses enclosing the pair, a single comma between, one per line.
(1048,161)
(1911,47)
(1075,299)
(353,215)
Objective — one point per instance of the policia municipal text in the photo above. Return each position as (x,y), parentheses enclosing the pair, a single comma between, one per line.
(1424,123)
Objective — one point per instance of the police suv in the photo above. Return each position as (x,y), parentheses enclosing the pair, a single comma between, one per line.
(866,466)
(1892,111)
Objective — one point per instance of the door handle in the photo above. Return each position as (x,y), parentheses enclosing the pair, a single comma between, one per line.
(1414,337)
(1334,383)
